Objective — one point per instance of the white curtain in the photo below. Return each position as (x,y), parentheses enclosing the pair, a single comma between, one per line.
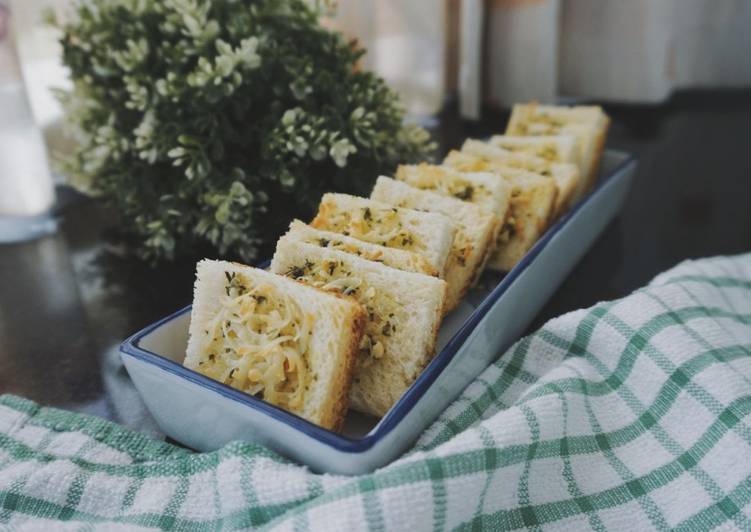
(407,43)
(614,50)
(497,51)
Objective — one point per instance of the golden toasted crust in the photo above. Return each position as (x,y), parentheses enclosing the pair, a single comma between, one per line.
(567,185)
(396,258)
(334,411)
(597,158)
(430,351)
(325,209)
(532,212)
(490,248)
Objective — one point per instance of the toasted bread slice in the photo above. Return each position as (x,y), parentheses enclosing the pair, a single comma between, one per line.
(477,231)
(532,203)
(552,148)
(396,258)
(426,233)
(289,344)
(533,200)
(404,313)
(481,188)
(589,124)
(565,175)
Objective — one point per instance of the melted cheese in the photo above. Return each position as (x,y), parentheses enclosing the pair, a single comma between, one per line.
(513,224)
(257,342)
(447,183)
(333,275)
(542,124)
(376,225)
(545,150)
(462,246)
(466,162)
(347,247)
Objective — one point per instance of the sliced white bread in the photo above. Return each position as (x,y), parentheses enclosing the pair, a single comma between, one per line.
(588,123)
(477,231)
(481,188)
(532,204)
(428,234)
(482,156)
(286,343)
(404,312)
(396,258)
(553,148)
(533,200)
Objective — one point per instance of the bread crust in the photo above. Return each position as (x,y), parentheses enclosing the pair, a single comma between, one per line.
(490,248)
(408,346)
(508,254)
(430,351)
(597,158)
(325,403)
(334,411)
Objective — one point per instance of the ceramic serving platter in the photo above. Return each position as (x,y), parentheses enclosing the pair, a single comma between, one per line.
(205,415)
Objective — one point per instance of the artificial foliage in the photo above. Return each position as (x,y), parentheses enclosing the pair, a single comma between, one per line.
(210,124)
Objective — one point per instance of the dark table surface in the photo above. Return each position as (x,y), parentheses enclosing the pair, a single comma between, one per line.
(67,300)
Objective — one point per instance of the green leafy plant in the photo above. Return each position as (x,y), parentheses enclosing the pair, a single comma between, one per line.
(210,124)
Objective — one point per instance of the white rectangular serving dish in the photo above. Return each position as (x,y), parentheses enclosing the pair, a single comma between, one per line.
(205,415)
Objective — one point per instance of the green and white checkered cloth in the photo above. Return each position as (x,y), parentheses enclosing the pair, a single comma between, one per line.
(633,414)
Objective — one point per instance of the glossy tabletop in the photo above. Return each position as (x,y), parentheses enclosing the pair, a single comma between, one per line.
(67,300)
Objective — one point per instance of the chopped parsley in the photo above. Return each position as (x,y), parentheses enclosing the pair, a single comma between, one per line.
(465,193)
(298,271)
(295,272)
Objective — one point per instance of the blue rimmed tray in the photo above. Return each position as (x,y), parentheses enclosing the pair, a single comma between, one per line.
(204,414)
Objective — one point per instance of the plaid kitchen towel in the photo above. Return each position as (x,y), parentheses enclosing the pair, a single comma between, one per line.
(633,414)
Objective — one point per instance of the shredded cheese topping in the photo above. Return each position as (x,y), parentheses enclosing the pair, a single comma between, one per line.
(513,223)
(376,225)
(545,150)
(430,177)
(257,342)
(347,247)
(382,310)
(462,246)
(466,162)
(540,124)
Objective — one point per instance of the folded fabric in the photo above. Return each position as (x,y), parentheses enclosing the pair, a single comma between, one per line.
(633,414)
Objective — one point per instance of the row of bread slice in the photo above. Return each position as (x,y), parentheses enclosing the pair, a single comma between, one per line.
(383,272)
(550,155)
(406,255)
